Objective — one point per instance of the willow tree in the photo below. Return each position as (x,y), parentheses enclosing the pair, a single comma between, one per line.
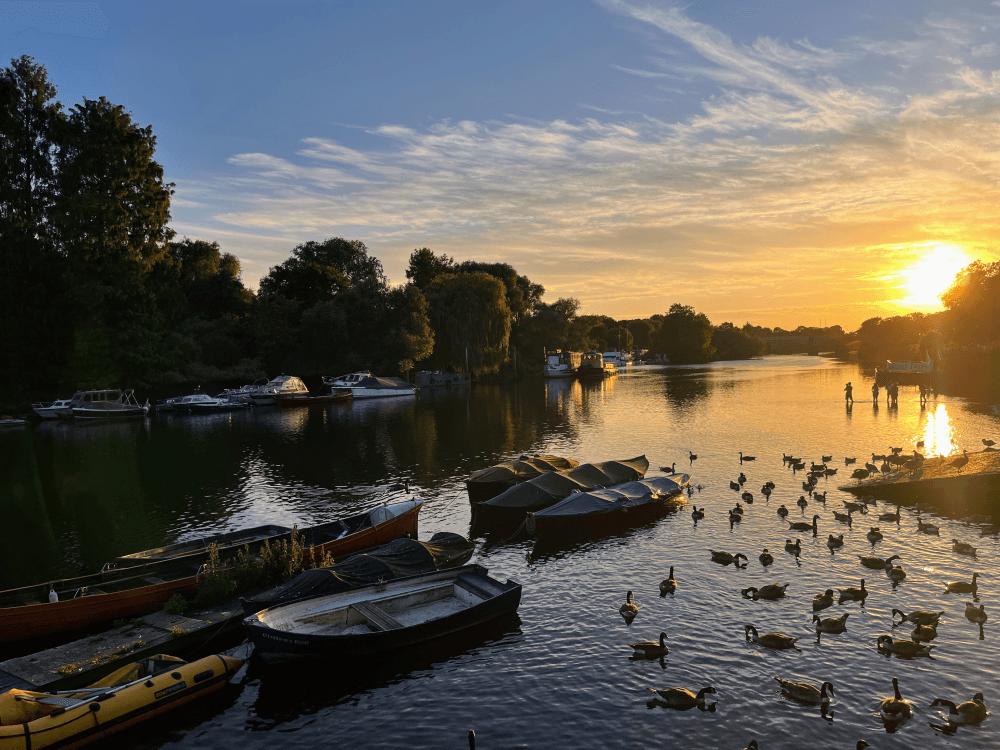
(471,321)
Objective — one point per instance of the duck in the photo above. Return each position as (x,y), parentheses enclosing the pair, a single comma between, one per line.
(835,541)
(988,443)
(770,591)
(919,616)
(963,587)
(746,458)
(977,616)
(698,513)
(963,548)
(782,511)
(961,461)
(726,558)
(897,574)
(822,601)
(629,609)
(651,649)
(668,585)
(923,632)
(681,697)
(895,709)
(804,525)
(874,535)
(672,469)
(806,693)
(903,646)
(831,624)
(877,563)
(890,516)
(852,594)
(795,548)
(802,502)
(928,528)
(843,517)
(970,712)
(776,641)
(692,457)
(766,558)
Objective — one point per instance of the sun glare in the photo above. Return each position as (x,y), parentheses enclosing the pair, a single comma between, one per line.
(930,276)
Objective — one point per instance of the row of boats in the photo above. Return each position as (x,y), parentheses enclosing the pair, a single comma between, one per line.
(566,364)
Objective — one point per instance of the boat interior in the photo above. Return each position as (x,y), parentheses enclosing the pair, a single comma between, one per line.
(201,544)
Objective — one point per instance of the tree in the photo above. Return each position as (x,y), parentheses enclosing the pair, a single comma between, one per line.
(973,303)
(471,321)
(318,271)
(425,267)
(731,342)
(684,336)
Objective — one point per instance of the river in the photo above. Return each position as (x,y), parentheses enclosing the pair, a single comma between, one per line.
(560,674)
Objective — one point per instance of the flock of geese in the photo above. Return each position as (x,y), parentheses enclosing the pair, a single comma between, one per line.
(895,709)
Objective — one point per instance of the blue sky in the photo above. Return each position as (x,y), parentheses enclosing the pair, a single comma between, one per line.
(777,162)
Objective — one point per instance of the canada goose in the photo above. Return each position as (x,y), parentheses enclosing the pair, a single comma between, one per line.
(726,558)
(651,649)
(879,457)
(856,507)
(777,641)
(798,466)
(782,511)
(769,592)
(697,513)
(765,491)
(843,517)
(877,563)
(852,594)
(692,457)
(831,624)
(835,541)
(806,693)
(803,525)
(795,548)
(923,632)
(826,458)
(874,535)
(820,498)
(903,646)
(785,458)
(629,609)
(735,516)
(672,469)
(977,616)
(861,473)
(919,616)
(734,486)
(963,548)
(668,585)
(963,587)
(746,458)
(896,451)
(802,502)
(699,487)
(742,478)
(961,461)
(970,712)
(885,468)
(988,443)
(769,484)
(849,461)
(817,467)
(897,574)
(871,468)
(682,698)
(890,516)
(822,601)
(928,528)
(895,709)
(766,558)
(747,497)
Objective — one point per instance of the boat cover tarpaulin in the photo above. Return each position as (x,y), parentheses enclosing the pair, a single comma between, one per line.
(390,384)
(553,486)
(628,495)
(398,559)
(525,468)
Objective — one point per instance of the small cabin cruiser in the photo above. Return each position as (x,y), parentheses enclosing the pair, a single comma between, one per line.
(285,385)
(186,404)
(54,410)
(592,365)
(618,359)
(561,364)
(365,385)
(107,404)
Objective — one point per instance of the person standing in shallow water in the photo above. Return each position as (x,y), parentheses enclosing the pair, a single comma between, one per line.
(849,392)
(874,393)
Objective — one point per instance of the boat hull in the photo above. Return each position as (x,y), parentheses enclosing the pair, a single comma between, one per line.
(131,412)
(292,401)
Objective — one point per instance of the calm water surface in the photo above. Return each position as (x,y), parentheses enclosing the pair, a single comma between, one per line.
(558,675)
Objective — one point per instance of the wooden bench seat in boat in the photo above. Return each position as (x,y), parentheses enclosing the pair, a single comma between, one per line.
(377,617)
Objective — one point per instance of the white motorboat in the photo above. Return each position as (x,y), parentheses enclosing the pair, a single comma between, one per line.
(618,359)
(55,409)
(187,404)
(108,404)
(365,385)
(226,401)
(561,363)
(283,385)
(8,421)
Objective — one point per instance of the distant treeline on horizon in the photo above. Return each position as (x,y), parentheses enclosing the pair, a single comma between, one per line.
(97,291)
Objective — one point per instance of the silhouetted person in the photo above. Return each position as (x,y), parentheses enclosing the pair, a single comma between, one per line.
(875,393)
(849,392)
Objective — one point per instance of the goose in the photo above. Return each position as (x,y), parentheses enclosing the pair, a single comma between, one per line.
(913,464)
(919,617)
(963,548)
(734,486)
(808,486)
(697,513)
(835,541)
(798,466)
(692,457)
(629,609)
(769,592)
(806,693)
(963,587)
(668,585)
(961,461)
(856,507)
(672,469)
(895,709)
(787,459)
(765,491)
(843,517)
(852,594)
(726,558)
(830,472)
(885,468)
(928,528)
(988,443)
(769,484)
(890,516)
(896,451)
(766,558)
(871,468)
(822,601)
(782,511)
(817,467)
(897,574)
(923,632)
(920,443)
(820,498)
(752,746)
(874,535)
(804,525)
(802,502)
(742,478)
(747,497)
(866,501)
(861,473)
(879,457)
(849,461)
(977,616)
(877,563)
(903,646)
(681,697)
(831,624)
(699,487)
(651,649)
(970,712)
(795,548)
(777,641)
(735,516)
(826,458)
(746,458)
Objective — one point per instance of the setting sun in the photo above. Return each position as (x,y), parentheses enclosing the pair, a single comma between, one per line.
(930,276)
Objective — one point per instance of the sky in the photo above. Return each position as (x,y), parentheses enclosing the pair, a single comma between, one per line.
(780,163)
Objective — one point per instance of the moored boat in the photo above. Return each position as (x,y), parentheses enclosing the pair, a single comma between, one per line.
(187,404)
(60,408)
(331,396)
(31,720)
(8,421)
(592,365)
(108,404)
(491,481)
(365,385)
(382,617)
(283,385)
(561,364)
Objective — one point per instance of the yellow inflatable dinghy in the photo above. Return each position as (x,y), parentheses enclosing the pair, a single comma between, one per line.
(67,719)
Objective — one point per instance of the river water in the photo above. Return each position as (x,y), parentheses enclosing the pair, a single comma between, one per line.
(559,675)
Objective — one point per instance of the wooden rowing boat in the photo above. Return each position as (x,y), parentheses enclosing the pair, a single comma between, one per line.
(382,617)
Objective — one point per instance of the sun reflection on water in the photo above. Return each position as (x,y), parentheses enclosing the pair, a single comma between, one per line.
(938,434)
